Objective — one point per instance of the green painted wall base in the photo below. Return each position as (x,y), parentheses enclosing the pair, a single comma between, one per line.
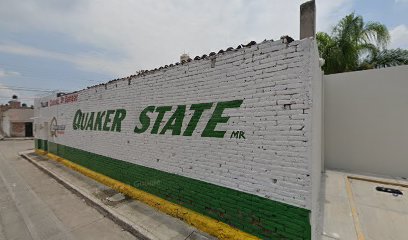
(258,216)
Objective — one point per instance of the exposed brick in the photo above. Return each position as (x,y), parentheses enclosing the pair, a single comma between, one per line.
(272,162)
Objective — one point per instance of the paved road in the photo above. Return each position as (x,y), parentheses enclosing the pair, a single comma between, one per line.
(34,206)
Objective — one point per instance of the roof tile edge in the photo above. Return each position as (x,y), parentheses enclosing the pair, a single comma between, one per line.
(141,73)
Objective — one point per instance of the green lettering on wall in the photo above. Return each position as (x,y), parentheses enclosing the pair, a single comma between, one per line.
(90,123)
(144,119)
(77,119)
(176,121)
(98,121)
(161,110)
(120,114)
(84,120)
(111,120)
(198,112)
(107,120)
(235,134)
(217,118)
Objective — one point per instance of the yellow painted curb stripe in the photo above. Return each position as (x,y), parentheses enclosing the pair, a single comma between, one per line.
(204,223)
(40,152)
(379,181)
(354,213)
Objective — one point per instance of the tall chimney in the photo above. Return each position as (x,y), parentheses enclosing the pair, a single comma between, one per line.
(308,19)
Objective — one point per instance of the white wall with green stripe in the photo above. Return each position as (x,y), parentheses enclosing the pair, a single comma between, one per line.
(247,120)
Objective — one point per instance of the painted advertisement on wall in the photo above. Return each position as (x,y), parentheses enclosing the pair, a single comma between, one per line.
(232,131)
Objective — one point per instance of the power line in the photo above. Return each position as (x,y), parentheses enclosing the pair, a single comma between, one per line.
(29,90)
(34,71)
(6,98)
(10,86)
(19,97)
(17,88)
(62,79)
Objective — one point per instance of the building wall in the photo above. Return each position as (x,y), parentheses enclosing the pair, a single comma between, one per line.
(6,127)
(365,121)
(17,129)
(20,115)
(317,159)
(13,121)
(249,160)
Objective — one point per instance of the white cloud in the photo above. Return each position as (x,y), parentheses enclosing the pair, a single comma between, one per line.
(4,73)
(145,34)
(5,92)
(329,12)
(89,62)
(399,37)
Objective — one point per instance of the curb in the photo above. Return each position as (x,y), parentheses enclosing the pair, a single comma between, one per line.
(16,138)
(201,222)
(123,222)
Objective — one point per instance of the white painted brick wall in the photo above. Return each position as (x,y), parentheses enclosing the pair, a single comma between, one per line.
(273,79)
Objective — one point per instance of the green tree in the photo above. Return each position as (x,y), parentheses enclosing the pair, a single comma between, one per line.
(350,41)
(386,58)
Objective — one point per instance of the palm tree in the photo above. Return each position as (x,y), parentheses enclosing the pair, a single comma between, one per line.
(350,40)
(386,58)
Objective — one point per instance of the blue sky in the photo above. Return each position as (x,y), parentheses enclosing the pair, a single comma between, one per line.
(70,44)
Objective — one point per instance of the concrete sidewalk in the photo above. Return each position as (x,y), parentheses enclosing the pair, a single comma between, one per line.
(354,210)
(138,218)
(35,206)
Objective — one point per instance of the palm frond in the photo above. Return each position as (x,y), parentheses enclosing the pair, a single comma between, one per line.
(350,41)
(389,58)
(377,33)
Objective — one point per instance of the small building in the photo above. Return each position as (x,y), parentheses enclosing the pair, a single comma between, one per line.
(16,119)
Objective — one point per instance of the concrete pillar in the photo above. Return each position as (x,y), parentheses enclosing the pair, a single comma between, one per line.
(308,19)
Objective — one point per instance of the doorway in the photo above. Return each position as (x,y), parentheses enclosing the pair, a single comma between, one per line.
(28,129)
